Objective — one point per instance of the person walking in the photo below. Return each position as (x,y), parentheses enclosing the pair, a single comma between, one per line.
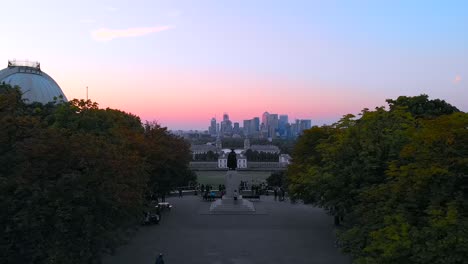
(160,259)
(180,192)
(275,192)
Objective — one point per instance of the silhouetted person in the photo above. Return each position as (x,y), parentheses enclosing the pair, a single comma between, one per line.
(180,192)
(275,192)
(282,193)
(202,188)
(160,259)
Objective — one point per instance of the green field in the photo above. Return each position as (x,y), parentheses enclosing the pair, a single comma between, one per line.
(217,177)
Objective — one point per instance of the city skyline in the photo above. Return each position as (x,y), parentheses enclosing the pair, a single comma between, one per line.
(269,125)
(179,62)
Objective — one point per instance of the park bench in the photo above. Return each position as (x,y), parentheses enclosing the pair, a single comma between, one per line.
(162,206)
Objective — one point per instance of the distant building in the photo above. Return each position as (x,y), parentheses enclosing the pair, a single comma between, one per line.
(273,124)
(218,143)
(241,161)
(251,127)
(222,161)
(247,127)
(226,125)
(284,160)
(246,144)
(236,128)
(283,122)
(212,129)
(304,124)
(255,125)
(202,149)
(265,119)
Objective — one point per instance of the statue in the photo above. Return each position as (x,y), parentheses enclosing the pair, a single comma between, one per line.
(232,160)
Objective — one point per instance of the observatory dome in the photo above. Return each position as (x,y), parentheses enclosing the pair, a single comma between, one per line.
(35,85)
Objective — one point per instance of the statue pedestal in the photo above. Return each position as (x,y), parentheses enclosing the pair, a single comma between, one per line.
(232,182)
(232,202)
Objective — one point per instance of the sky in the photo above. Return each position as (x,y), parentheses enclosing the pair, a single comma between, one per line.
(180,63)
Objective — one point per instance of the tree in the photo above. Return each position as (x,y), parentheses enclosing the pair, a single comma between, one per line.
(74,176)
(277,179)
(396,180)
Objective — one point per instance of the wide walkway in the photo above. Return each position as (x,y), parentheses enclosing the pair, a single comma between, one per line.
(283,233)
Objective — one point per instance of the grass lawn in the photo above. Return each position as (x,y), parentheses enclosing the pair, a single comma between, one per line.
(217,177)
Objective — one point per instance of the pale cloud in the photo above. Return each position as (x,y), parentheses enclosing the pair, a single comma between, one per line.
(457,79)
(105,34)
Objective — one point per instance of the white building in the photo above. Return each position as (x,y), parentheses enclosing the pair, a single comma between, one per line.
(222,162)
(284,160)
(241,161)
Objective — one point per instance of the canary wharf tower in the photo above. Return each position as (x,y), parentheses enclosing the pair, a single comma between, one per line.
(35,85)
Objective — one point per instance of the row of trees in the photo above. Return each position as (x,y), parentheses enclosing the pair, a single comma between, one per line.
(277,179)
(74,176)
(396,180)
(209,156)
(261,156)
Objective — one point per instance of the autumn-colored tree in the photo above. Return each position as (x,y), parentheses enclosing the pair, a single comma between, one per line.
(394,179)
(73,177)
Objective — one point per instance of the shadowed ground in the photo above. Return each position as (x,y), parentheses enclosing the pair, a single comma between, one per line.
(287,233)
(216,177)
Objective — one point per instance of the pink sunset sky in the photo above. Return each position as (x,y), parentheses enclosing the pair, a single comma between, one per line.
(180,63)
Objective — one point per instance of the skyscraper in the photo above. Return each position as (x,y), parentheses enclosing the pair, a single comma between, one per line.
(304,124)
(283,120)
(212,129)
(272,125)
(247,127)
(236,128)
(256,124)
(226,124)
(265,119)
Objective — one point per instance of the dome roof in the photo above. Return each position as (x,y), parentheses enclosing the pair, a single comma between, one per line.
(35,85)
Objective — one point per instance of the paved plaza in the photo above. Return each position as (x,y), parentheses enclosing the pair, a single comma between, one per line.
(283,233)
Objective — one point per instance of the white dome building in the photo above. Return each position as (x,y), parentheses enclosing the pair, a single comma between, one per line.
(35,85)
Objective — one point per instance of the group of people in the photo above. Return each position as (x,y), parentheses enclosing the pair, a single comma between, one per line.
(279,193)
(208,194)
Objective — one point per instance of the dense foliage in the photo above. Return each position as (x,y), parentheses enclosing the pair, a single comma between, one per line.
(285,145)
(73,177)
(277,179)
(257,156)
(396,181)
(209,156)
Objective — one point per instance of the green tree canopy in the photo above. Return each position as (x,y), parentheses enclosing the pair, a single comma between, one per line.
(396,180)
